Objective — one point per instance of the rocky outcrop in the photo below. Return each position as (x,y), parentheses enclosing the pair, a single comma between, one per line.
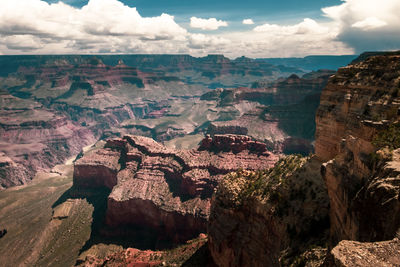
(258,218)
(99,168)
(192,253)
(234,143)
(360,104)
(358,254)
(164,189)
(11,173)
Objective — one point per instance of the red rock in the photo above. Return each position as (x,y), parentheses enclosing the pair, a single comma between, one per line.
(168,190)
(99,168)
(234,143)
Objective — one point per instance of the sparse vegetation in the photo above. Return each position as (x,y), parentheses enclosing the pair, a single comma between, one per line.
(237,187)
(389,137)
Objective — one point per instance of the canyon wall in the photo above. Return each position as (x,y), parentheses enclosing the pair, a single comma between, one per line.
(356,168)
(164,189)
(360,104)
(263,218)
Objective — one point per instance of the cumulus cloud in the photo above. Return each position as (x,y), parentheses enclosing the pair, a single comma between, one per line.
(367,24)
(109,26)
(107,22)
(248,22)
(301,39)
(307,26)
(207,24)
(201,41)
(22,42)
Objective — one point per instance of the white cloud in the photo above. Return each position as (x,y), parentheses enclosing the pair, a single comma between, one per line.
(22,42)
(109,26)
(207,24)
(273,40)
(248,22)
(367,24)
(100,24)
(307,26)
(201,41)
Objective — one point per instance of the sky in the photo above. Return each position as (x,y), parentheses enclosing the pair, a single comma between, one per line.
(252,28)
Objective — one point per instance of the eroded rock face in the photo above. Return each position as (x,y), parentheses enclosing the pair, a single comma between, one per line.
(286,119)
(359,102)
(97,169)
(234,143)
(358,254)
(34,138)
(164,189)
(255,217)
(11,173)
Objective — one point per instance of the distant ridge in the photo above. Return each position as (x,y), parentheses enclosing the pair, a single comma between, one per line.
(366,55)
(312,63)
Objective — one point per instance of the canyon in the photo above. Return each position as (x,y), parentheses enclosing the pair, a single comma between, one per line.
(211,170)
(53,106)
(165,189)
(356,150)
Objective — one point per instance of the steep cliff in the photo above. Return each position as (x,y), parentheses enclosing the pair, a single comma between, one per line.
(357,142)
(357,116)
(264,218)
(163,189)
(283,115)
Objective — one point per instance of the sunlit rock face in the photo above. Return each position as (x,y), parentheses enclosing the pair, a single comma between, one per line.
(165,189)
(357,254)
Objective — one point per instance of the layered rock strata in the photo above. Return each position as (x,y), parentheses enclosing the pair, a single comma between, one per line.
(34,138)
(358,140)
(359,104)
(164,189)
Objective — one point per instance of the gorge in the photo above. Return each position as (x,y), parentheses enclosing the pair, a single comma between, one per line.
(200,162)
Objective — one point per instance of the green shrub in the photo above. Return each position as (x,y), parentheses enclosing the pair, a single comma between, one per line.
(238,187)
(388,138)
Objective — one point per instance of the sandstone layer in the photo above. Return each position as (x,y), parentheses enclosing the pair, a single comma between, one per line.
(164,189)
(359,104)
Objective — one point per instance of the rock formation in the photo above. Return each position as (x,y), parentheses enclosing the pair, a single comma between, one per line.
(258,217)
(164,189)
(359,106)
(179,256)
(358,141)
(34,138)
(357,254)
(284,114)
